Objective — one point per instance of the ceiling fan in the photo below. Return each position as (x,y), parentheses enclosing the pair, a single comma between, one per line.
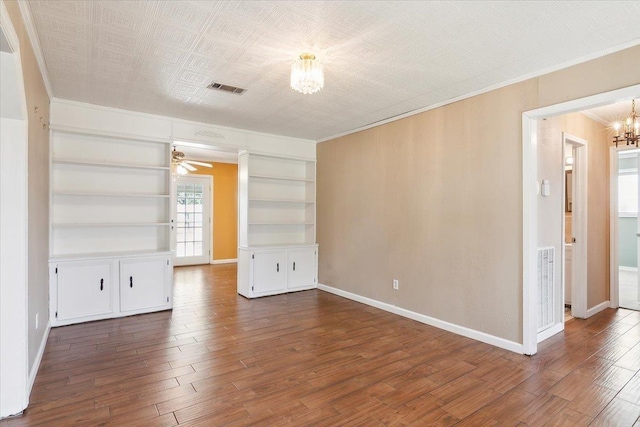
(181,165)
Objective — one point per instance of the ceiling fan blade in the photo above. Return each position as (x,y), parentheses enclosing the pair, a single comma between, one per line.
(207,165)
(188,166)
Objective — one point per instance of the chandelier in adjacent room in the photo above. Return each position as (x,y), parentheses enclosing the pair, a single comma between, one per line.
(307,75)
(630,128)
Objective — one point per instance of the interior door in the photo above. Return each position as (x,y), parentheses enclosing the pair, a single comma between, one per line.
(192,218)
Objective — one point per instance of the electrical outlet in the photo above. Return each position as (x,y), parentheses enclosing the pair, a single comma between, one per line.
(37,320)
(396,284)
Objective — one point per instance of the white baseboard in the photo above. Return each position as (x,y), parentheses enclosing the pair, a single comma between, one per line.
(631,269)
(224,261)
(598,308)
(36,363)
(440,324)
(547,333)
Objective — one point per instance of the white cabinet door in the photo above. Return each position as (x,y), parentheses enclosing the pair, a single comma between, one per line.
(143,283)
(269,275)
(301,264)
(83,289)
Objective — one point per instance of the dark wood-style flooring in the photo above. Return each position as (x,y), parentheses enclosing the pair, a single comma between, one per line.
(315,359)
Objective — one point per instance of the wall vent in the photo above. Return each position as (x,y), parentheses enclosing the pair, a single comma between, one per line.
(546,287)
(226,88)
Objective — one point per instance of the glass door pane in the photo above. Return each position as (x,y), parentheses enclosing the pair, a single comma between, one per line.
(189,220)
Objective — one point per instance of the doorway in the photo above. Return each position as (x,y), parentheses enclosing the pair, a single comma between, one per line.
(531,189)
(628,230)
(575,197)
(192,219)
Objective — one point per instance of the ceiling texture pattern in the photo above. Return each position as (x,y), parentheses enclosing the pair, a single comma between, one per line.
(382,58)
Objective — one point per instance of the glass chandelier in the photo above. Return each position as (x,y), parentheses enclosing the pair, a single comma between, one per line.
(307,75)
(630,128)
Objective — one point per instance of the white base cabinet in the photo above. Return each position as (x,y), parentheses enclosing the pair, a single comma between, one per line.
(275,270)
(83,290)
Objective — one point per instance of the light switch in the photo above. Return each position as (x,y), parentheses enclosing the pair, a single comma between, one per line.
(546,188)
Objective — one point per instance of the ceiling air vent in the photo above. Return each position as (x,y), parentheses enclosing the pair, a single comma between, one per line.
(226,88)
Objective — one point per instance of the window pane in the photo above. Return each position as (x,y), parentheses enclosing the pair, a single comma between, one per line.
(628,193)
(180,249)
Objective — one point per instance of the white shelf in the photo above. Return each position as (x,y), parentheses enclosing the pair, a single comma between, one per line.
(99,255)
(108,165)
(280,223)
(89,194)
(281,178)
(280,245)
(266,200)
(112,224)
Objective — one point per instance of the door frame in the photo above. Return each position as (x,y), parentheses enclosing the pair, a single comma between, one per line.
(530,203)
(579,223)
(174,232)
(17,381)
(614,277)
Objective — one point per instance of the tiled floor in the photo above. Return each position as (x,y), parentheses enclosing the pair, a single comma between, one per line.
(314,359)
(629,290)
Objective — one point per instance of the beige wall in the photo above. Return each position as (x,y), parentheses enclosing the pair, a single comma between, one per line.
(38,185)
(435,200)
(550,209)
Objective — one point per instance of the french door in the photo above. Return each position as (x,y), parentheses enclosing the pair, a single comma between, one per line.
(191,223)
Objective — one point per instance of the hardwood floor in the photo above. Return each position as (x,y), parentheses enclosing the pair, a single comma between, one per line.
(312,358)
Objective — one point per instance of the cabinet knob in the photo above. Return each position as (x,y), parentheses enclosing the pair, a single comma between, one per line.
(131,281)
(278,267)
(101,284)
(294,266)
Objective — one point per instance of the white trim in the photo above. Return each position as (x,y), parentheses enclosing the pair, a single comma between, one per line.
(598,308)
(38,360)
(422,318)
(614,290)
(549,332)
(16,330)
(179,120)
(579,278)
(106,134)
(224,261)
(626,214)
(630,269)
(25,9)
(529,205)
(529,234)
(522,78)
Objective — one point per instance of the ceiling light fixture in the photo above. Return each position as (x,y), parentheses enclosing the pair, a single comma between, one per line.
(630,128)
(307,75)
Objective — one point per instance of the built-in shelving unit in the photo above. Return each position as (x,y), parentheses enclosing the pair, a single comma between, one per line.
(277,214)
(277,200)
(108,193)
(110,218)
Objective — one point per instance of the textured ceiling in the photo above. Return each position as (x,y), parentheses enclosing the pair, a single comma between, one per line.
(381,58)
(612,113)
